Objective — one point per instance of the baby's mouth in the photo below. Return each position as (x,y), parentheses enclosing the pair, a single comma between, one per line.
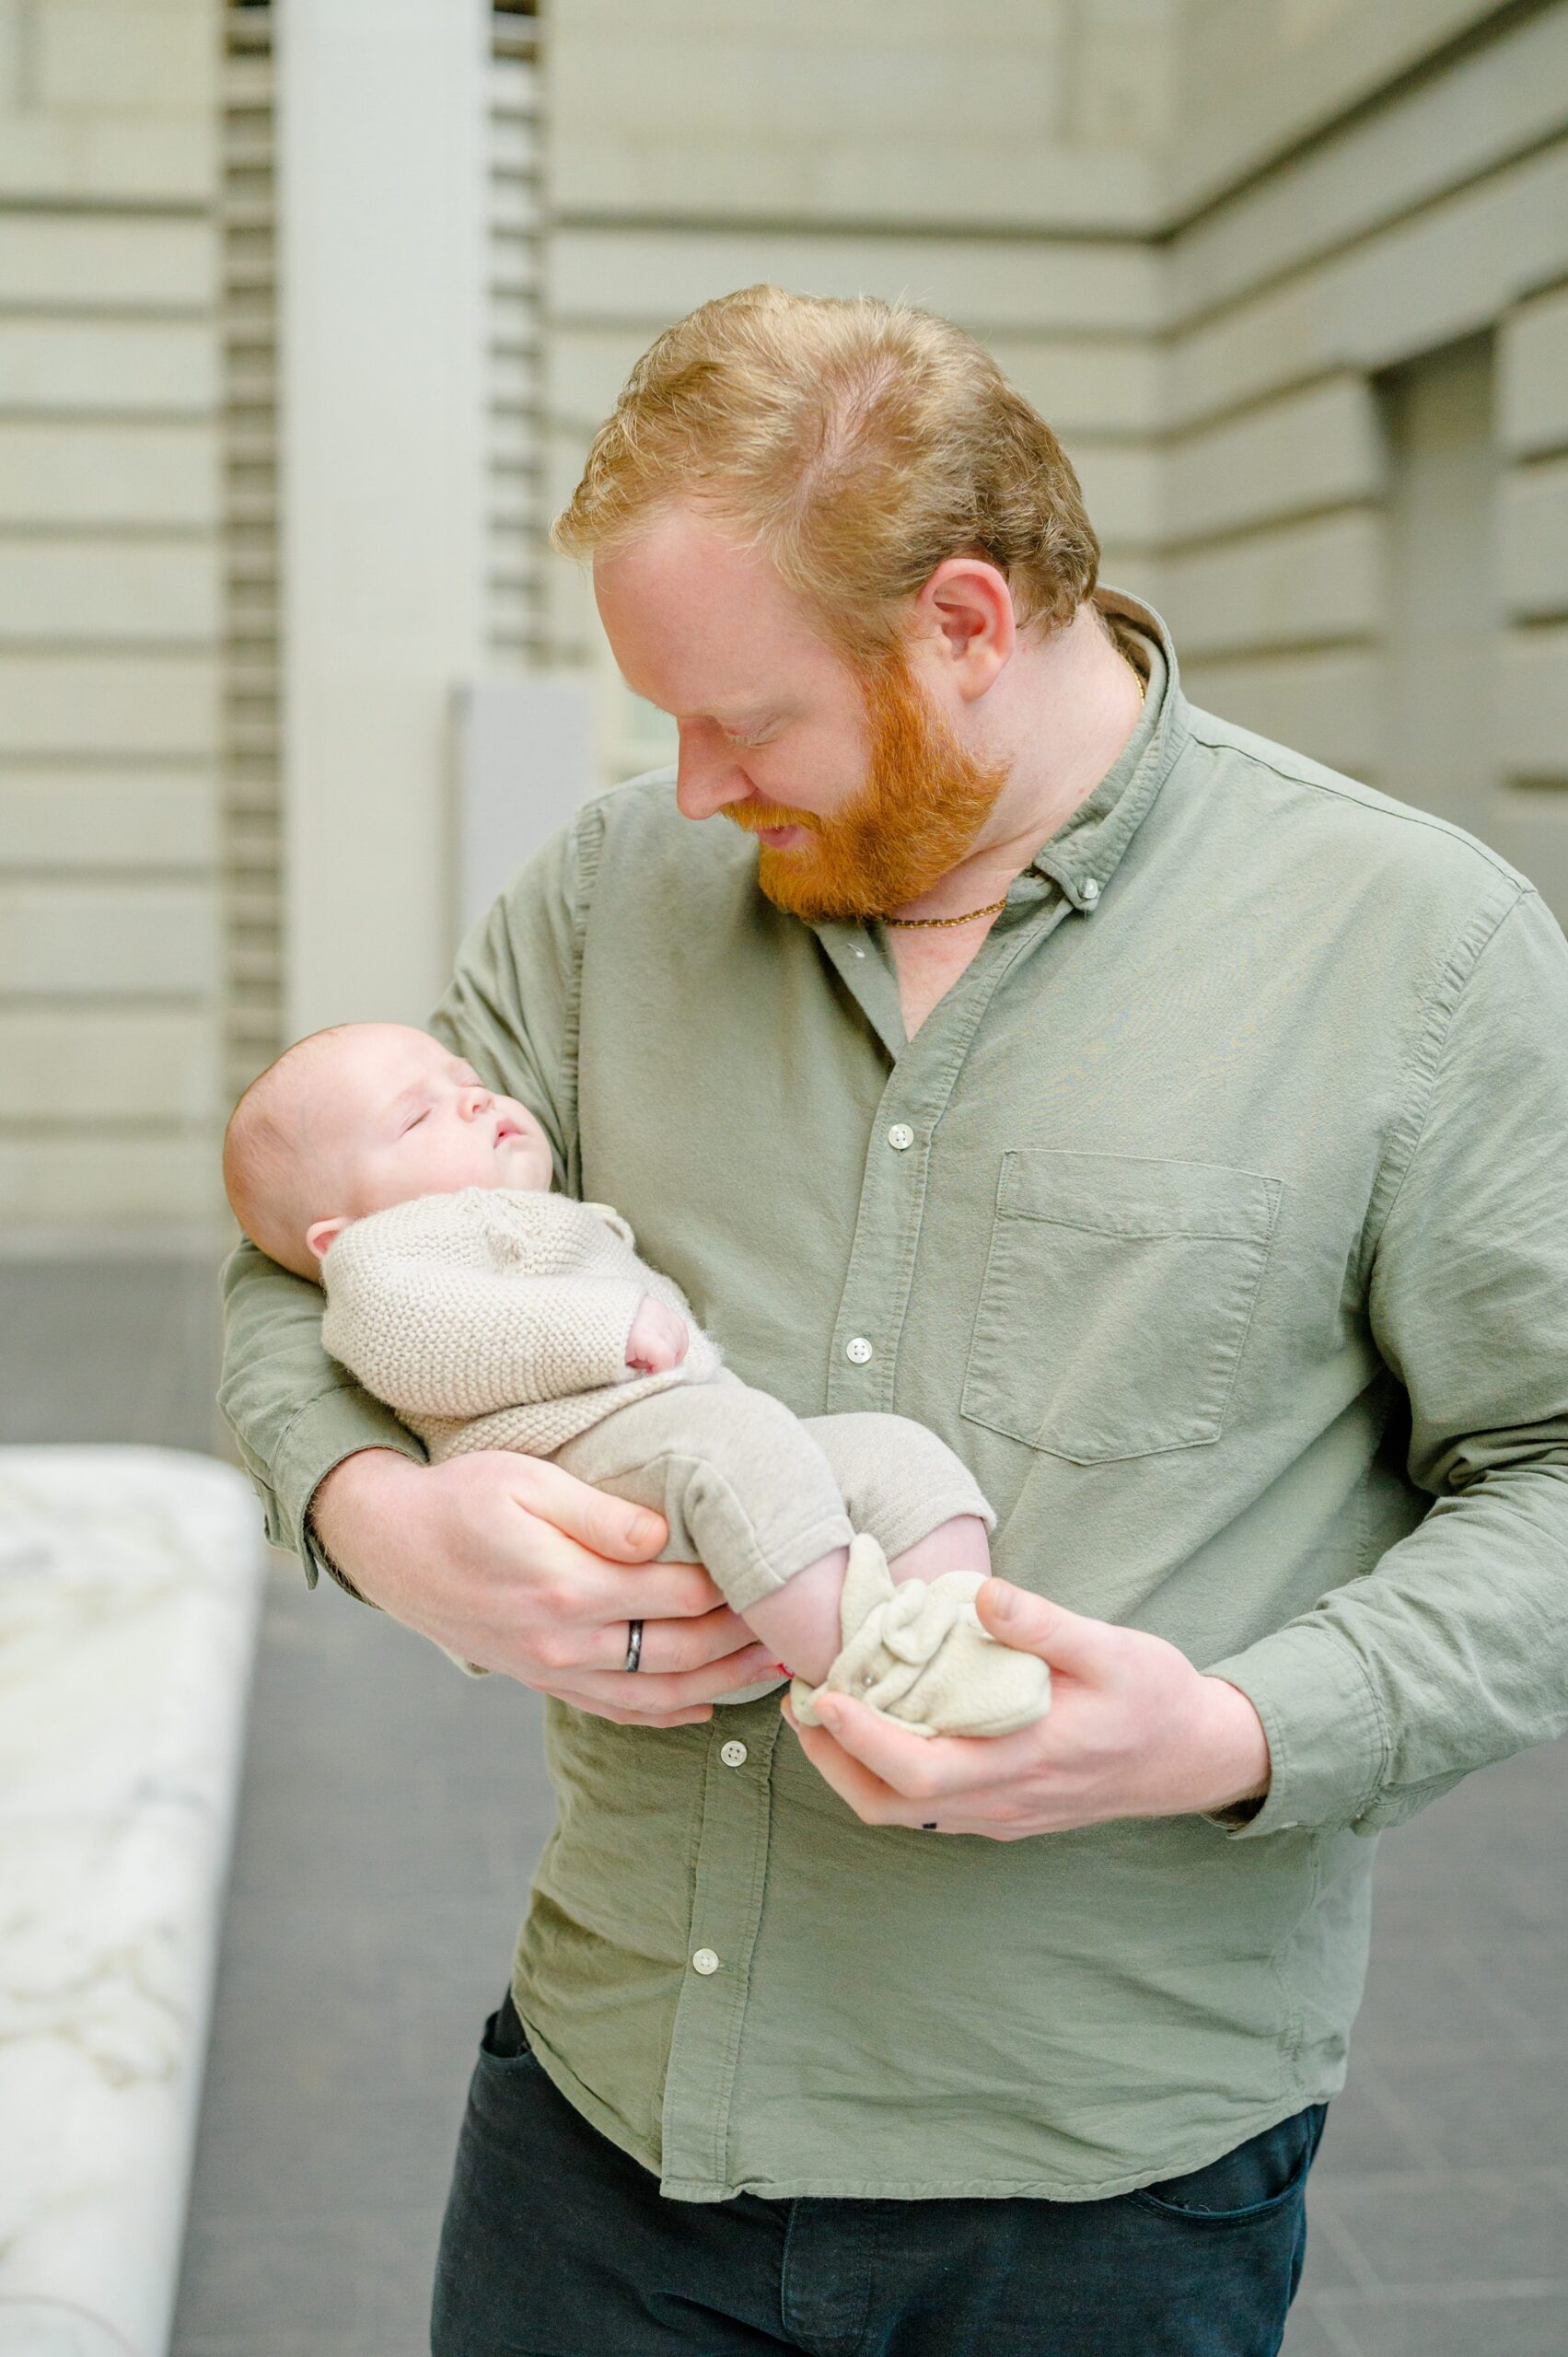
(504,1130)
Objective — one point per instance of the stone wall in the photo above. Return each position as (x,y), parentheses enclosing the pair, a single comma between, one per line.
(1289,276)
(1299,310)
(109,604)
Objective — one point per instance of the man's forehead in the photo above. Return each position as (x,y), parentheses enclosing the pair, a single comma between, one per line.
(700,626)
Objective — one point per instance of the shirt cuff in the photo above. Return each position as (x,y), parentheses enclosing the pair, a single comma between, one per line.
(336,1425)
(1327,1744)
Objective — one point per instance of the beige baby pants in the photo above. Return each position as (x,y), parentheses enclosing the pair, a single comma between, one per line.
(756,1494)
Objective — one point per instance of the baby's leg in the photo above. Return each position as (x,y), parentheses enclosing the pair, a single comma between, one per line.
(913,1645)
(960,1544)
(747,1492)
(906,1487)
(913,1494)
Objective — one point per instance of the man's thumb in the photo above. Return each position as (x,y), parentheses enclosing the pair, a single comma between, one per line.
(1034,1625)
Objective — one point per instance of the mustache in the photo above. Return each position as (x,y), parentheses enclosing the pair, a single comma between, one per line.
(754,817)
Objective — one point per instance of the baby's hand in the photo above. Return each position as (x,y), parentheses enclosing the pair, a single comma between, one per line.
(659,1339)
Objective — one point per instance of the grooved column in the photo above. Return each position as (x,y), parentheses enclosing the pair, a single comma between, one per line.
(382,161)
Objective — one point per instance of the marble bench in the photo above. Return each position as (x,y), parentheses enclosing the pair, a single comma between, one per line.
(130,1581)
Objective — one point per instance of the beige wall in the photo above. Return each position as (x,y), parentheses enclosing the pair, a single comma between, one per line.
(1223,244)
(1046,114)
(109,610)
(1257,77)
(1292,307)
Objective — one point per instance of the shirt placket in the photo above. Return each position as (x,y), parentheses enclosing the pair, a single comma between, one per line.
(726,1911)
(864,1352)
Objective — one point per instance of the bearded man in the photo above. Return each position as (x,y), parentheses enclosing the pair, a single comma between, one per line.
(1173,1127)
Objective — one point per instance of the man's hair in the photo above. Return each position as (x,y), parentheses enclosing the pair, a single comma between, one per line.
(856,442)
(262,1160)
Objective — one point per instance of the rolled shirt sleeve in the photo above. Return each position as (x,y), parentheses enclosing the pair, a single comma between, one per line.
(294,1411)
(1452,1651)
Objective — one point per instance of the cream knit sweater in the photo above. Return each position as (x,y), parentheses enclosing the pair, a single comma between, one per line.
(497,1317)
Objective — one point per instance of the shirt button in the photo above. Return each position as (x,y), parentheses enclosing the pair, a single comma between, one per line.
(858,1350)
(1089,889)
(704,1962)
(733,1754)
(901,1137)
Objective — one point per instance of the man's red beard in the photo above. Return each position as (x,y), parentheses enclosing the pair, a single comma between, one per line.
(924,802)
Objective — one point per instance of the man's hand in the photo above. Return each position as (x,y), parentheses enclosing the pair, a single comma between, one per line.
(660,1338)
(1134,1730)
(512,1563)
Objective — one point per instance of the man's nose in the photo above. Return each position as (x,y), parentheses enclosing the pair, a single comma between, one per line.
(706,776)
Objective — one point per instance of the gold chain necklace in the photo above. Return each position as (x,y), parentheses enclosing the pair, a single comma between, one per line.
(994,908)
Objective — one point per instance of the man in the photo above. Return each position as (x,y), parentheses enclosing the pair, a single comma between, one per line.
(1173,1127)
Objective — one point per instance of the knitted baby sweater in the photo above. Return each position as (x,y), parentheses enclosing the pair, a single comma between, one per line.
(497,1317)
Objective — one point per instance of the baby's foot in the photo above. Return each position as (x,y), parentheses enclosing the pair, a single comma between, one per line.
(916,1652)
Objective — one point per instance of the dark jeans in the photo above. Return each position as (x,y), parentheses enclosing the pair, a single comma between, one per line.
(557,2245)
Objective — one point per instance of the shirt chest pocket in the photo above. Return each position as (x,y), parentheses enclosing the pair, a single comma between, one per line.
(1116,1300)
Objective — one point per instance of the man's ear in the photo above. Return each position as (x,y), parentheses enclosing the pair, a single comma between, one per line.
(323,1234)
(966,607)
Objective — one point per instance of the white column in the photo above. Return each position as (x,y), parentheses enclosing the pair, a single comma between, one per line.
(382,161)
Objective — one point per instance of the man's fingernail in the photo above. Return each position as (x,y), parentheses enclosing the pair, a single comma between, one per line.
(1004,1601)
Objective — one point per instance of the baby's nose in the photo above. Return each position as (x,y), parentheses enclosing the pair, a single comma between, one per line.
(474,1102)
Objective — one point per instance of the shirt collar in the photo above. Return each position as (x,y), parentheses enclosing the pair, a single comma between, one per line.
(1084,853)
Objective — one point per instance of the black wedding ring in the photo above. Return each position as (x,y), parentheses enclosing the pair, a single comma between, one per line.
(633,1645)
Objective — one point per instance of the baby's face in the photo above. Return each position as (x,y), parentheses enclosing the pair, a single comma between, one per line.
(387,1113)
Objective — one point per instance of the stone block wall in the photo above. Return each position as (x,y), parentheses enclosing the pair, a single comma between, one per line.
(1366,242)
(109,612)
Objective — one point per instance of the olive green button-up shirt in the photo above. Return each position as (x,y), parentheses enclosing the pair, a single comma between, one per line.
(1217,1217)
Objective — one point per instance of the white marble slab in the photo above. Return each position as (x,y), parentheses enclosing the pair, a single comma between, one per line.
(130,1580)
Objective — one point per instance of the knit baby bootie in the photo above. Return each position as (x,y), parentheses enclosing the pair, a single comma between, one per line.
(915,1650)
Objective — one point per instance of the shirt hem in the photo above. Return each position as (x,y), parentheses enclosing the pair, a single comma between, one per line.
(1177,2162)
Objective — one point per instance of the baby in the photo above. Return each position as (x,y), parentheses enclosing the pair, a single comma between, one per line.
(492,1313)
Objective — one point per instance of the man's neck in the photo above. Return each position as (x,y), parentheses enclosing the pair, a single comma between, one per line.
(1060,716)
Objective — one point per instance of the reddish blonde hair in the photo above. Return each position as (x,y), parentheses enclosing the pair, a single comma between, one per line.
(856,442)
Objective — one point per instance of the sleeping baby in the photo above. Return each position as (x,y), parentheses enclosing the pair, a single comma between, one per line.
(493,1312)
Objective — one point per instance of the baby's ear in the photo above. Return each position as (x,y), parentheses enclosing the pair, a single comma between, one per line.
(323,1234)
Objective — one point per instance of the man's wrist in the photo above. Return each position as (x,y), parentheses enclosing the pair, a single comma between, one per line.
(1233,1765)
(336,1496)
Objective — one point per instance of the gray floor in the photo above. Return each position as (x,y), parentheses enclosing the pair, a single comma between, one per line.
(114,1344)
(391,1813)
